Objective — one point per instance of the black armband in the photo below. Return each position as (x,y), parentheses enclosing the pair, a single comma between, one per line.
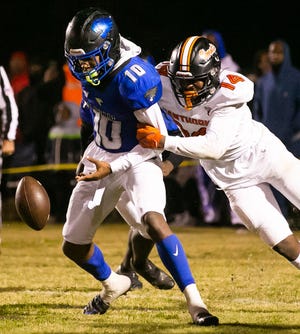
(175,159)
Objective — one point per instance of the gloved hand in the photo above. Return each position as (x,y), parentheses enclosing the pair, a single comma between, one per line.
(149,137)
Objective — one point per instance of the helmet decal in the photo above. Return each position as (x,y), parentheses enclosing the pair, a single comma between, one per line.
(185,53)
(102,26)
(206,54)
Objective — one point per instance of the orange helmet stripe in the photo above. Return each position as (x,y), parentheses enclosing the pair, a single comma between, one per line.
(185,53)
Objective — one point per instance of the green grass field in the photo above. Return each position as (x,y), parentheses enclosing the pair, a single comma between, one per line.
(249,287)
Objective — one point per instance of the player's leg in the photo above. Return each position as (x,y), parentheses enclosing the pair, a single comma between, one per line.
(149,195)
(289,186)
(141,248)
(174,258)
(125,268)
(138,250)
(257,208)
(84,216)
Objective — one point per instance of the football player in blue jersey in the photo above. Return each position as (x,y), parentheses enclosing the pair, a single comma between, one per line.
(119,89)
(138,248)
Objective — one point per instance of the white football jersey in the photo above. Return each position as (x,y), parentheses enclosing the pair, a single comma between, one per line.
(221,131)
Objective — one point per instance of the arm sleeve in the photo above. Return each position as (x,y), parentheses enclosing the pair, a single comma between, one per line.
(137,155)
(219,136)
(9,108)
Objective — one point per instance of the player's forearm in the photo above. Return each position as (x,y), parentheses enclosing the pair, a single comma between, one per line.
(193,147)
(137,155)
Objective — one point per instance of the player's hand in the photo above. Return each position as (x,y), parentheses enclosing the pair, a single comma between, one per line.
(149,137)
(102,169)
(166,167)
(8,147)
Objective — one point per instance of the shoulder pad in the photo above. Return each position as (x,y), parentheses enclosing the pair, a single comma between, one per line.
(140,84)
(236,87)
(162,68)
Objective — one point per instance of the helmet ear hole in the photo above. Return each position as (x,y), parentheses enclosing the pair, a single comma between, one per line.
(195,58)
(92,34)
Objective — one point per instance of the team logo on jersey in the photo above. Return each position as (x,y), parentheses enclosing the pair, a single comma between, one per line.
(99,101)
(150,94)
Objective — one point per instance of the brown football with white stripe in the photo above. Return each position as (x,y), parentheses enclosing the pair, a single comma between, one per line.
(32,203)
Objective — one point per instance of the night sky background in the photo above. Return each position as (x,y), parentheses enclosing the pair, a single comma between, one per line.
(38,27)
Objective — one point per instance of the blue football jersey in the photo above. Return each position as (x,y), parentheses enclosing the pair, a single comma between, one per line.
(110,106)
(170,124)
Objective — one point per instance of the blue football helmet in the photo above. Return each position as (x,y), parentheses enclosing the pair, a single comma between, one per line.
(92,36)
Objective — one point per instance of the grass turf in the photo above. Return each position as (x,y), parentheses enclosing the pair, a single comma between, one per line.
(248,286)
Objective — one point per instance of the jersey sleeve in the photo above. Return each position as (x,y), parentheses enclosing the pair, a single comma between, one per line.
(141,86)
(235,89)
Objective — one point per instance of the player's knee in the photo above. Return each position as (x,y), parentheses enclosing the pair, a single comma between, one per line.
(76,253)
(272,233)
(156,225)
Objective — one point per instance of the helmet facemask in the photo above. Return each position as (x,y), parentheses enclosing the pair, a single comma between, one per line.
(190,95)
(99,57)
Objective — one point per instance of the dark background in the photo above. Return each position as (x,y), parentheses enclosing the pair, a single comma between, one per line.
(38,27)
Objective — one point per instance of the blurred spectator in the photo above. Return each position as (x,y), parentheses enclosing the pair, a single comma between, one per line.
(64,135)
(8,123)
(276,102)
(65,145)
(261,65)
(227,62)
(18,71)
(36,109)
(71,91)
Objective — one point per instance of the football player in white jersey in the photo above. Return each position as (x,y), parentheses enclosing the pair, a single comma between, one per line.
(119,89)
(240,155)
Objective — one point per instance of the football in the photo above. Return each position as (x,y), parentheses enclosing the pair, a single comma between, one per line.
(32,203)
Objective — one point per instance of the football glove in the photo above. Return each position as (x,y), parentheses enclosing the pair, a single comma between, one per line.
(149,137)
